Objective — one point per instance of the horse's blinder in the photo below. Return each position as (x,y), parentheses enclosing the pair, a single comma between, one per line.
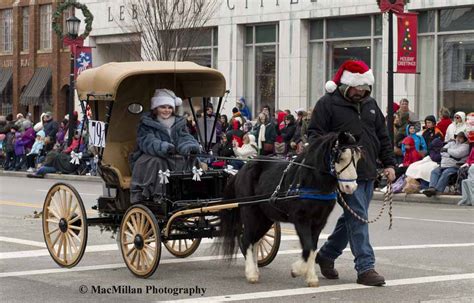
(335,157)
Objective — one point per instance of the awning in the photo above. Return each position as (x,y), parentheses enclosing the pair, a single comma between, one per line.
(38,90)
(6,75)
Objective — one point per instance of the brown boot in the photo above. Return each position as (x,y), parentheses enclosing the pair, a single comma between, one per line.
(327,267)
(370,278)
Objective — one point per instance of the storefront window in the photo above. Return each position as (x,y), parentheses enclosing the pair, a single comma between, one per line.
(328,51)
(456,71)
(261,52)
(456,19)
(446,70)
(203,50)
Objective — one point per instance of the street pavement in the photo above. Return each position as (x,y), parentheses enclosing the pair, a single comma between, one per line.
(426,257)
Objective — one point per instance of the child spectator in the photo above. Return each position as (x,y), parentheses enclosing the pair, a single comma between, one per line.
(420,143)
(411,156)
(10,138)
(431,131)
(35,151)
(467,184)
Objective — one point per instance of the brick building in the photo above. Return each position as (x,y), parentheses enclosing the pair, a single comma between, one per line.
(34,65)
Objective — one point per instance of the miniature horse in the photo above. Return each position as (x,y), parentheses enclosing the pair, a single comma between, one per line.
(330,160)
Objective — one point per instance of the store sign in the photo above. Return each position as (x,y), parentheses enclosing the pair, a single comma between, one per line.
(407,43)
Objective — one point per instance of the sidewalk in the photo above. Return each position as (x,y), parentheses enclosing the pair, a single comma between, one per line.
(378,196)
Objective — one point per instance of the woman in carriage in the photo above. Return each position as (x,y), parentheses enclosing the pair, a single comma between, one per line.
(164,143)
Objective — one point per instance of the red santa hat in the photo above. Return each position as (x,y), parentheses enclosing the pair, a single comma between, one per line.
(351,73)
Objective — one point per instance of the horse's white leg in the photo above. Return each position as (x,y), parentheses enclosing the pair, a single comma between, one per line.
(299,268)
(251,268)
(311,277)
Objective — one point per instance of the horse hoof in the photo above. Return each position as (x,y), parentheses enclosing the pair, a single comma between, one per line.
(313,283)
(252,280)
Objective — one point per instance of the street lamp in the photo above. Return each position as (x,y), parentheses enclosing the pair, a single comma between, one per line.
(72,24)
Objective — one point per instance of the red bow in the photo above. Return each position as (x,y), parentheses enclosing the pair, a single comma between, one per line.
(398,7)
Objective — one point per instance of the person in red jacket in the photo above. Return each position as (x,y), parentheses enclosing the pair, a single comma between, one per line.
(444,121)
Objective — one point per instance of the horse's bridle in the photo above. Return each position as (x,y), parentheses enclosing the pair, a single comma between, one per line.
(336,156)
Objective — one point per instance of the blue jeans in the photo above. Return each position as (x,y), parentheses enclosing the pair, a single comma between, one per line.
(440,177)
(350,230)
(46,170)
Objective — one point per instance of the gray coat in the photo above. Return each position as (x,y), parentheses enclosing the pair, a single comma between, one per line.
(456,153)
(153,138)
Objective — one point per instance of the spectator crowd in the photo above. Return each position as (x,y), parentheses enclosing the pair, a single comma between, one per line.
(434,155)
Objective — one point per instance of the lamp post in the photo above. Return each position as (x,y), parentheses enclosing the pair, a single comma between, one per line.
(72,25)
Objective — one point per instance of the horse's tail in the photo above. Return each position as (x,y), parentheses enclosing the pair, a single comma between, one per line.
(231,226)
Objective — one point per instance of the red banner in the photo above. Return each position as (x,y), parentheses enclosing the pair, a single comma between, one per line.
(407,38)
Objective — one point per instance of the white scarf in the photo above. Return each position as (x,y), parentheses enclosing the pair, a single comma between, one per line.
(261,136)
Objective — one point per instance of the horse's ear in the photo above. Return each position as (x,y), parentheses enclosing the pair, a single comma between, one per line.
(346,138)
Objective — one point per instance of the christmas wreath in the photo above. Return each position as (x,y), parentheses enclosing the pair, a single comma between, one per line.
(57,26)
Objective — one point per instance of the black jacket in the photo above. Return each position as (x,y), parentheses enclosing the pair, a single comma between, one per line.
(333,113)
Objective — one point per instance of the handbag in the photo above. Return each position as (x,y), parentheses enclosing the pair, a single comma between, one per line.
(268,148)
(280,148)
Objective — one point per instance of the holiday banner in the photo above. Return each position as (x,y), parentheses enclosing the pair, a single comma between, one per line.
(83,59)
(407,36)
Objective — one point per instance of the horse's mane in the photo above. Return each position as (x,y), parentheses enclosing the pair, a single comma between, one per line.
(318,151)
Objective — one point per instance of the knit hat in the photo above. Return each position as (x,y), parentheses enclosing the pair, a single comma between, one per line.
(165,97)
(352,73)
(235,110)
(430,118)
(41,134)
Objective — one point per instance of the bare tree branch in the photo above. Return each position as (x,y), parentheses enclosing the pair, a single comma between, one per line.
(169,29)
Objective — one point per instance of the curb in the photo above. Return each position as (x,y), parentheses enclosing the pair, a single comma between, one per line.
(419,198)
(53,176)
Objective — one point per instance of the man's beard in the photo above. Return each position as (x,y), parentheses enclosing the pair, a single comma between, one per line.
(356,98)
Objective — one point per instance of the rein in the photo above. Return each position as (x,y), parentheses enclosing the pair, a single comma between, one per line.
(388,198)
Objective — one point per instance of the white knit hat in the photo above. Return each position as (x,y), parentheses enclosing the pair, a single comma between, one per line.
(165,97)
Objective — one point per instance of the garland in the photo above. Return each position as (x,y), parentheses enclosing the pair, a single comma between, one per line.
(57,26)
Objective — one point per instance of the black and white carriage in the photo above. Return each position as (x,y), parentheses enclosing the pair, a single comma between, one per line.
(116,93)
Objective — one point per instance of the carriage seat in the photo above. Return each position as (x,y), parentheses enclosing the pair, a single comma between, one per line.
(116,158)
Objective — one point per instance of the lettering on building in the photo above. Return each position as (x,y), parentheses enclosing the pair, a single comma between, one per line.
(24,62)
(231,3)
(7,63)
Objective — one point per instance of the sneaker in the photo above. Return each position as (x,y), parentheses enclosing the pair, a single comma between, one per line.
(429,192)
(30,170)
(327,267)
(370,278)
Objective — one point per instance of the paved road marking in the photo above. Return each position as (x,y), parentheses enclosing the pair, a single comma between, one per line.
(21,241)
(432,220)
(202,259)
(81,194)
(89,248)
(38,206)
(324,289)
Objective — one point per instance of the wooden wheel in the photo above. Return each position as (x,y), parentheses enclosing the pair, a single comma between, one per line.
(64,225)
(182,248)
(268,245)
(140,241)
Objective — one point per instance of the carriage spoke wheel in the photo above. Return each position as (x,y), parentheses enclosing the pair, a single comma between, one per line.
(140,241)
(268,245)
(64,225)
(182,248)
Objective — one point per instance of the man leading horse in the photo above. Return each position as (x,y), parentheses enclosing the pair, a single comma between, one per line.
(349,107)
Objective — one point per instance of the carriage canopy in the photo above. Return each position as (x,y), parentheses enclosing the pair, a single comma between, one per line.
(186,79)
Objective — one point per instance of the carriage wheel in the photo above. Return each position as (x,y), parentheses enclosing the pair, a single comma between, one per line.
(64,225)
(140,241)
(182,248)
(268,245)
